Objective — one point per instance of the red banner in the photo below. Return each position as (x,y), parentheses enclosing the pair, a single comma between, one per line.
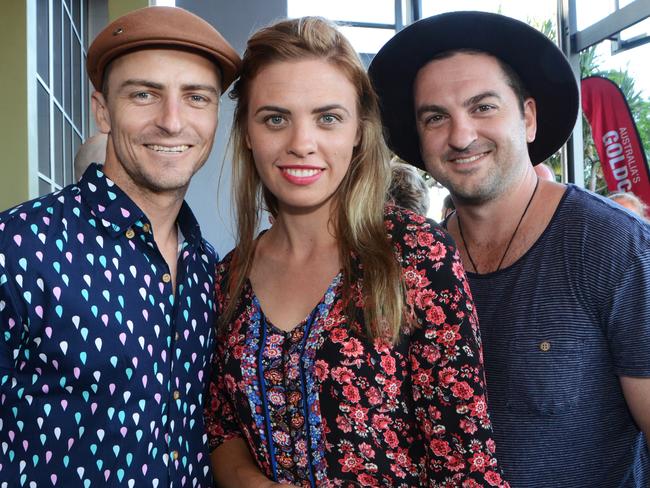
(616,137)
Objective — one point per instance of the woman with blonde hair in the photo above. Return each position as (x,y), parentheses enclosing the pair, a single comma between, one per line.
(348,344)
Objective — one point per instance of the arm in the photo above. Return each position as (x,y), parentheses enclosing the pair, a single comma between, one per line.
(637,396)
(445,355)
(12,323)
(628,329)
(234,467)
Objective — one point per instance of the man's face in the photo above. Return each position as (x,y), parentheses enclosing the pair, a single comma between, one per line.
(473,137)
(161,113)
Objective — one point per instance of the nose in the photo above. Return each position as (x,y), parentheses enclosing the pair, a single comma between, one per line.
(462,133)
(170,116)
(302,141)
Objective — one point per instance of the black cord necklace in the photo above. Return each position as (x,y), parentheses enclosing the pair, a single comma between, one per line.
(512,238)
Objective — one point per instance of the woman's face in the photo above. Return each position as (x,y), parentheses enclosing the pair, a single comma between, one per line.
(302,126)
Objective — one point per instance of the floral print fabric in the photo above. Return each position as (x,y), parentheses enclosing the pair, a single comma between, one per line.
(321,405)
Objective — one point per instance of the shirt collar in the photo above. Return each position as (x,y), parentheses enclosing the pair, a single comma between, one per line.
(117,212)
(188,224)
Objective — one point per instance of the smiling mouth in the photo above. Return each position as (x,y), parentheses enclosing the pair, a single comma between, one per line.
(302,173)
(168,149)
(469,159)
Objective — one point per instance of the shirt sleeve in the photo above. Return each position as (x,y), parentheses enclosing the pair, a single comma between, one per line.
(448,381)
(628,318)
(11,322)
(221,421)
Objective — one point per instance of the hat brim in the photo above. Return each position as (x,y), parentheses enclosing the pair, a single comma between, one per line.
(542,67)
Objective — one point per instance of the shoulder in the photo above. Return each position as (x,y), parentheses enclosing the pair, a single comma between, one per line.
(411,232)
(601,223)
(209,250)
(223,266)
(37,212)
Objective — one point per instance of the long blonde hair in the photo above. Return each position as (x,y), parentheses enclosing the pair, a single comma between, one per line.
(358,217)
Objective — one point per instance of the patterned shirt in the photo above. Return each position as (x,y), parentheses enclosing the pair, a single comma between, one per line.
(321,405)
(101,364)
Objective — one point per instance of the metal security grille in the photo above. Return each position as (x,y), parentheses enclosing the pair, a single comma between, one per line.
(61,88)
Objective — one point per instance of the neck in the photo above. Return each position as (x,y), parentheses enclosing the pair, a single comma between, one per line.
(160,208)
(495,219)
(302,235)
(487,232)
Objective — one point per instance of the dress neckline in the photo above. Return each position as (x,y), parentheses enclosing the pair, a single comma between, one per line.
(312,313)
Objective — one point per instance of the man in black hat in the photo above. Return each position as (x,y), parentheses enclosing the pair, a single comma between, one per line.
(107,306)
(561,279)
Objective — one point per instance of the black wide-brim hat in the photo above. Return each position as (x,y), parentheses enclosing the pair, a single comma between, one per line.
(542,67)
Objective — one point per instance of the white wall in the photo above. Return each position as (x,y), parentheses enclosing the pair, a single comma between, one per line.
(209,197)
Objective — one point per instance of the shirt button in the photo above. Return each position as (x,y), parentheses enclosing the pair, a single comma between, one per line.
(545,346)
(146,227)
(130,233)
(177,394)
(177,336)
(166,277)
(175,455)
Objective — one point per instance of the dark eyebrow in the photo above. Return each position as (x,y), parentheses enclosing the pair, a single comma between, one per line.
(467,103)
(160,86)
(429,108)
(317,110)
(327,108)
(272,108)
(199,87)
(145,83)
(481,96)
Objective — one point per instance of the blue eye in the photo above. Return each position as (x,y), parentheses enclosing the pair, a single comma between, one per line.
(329,118)
(275,120)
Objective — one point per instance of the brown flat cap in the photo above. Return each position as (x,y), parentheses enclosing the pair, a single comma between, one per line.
(150,27)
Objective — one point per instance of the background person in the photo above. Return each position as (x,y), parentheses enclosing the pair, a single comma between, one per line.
(559,280)
(408,189)
(106,287)
(93,150)
(544,172)
(448,207)
(631,202)
(348,351)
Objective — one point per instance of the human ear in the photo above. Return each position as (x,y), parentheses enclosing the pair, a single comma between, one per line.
(530,119)
(101,113)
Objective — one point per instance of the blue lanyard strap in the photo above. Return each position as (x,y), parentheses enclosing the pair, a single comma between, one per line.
(267,415)
(303,385)
(265,405)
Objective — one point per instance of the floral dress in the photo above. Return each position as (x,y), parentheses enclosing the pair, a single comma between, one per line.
(321,405)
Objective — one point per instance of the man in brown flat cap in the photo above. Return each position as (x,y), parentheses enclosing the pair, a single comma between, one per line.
(106,287)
